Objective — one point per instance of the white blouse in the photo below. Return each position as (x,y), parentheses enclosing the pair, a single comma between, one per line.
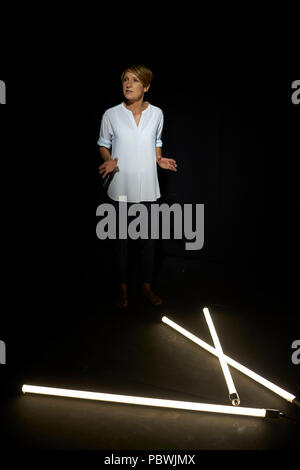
(135,147)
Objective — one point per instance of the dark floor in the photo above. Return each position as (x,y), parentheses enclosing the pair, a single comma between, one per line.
(95,347)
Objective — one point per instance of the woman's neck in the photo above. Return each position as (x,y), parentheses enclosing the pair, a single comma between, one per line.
(136,106)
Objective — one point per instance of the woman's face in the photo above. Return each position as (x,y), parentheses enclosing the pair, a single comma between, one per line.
(133,89)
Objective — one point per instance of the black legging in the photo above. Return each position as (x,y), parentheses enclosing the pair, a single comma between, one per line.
(146,248)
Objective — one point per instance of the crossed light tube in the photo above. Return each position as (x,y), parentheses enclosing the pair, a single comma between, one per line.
(233,396)
(253,375)
(182,405)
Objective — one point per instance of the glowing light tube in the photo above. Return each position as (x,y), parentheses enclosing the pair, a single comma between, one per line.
(233,396)
(181,405)
(266,383)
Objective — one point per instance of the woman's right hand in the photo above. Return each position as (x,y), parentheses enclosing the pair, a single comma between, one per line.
(108,167)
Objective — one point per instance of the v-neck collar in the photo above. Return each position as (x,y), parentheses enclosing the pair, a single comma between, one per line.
(132,116)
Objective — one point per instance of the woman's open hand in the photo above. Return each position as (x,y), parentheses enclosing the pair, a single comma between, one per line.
(108,167)
(168,164)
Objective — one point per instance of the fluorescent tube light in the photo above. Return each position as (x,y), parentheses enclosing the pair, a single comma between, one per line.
(233,396)
(266,383)
(181,405)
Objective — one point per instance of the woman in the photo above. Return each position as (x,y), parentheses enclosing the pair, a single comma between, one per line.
(131,147)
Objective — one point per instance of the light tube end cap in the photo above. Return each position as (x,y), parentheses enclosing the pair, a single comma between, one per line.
(273,414)
(296,403)
(235,399)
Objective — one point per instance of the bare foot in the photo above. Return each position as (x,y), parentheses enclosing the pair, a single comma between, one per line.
(150,295)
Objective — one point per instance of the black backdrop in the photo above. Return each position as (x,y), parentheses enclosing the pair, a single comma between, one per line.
(234,137)
(234,134)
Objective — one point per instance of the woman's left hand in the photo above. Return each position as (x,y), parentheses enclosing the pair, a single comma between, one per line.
(168,164)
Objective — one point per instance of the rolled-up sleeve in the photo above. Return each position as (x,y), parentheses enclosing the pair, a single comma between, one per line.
(106,133)
(159,131)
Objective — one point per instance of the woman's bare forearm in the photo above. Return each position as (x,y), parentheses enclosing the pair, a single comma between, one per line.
(158,154)
(105,153)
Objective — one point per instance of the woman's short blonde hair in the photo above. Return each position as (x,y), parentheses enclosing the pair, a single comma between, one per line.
(143,73)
